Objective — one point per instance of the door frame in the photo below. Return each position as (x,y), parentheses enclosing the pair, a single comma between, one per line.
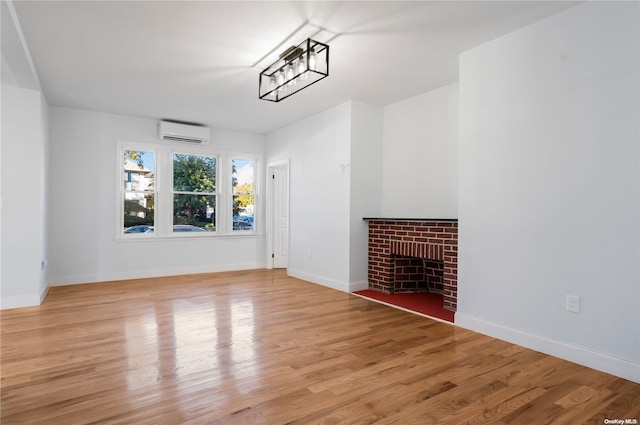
(269,217)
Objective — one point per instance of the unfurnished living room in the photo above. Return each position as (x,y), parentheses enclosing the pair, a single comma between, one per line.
(322,212)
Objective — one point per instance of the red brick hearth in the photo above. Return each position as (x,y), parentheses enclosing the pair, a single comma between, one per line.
(394,246)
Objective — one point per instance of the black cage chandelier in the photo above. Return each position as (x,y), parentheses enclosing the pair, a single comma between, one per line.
(298,67)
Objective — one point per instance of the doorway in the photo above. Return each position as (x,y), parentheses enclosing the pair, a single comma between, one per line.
(278,242)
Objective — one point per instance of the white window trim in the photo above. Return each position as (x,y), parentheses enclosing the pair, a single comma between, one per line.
(120,191)
(163,191)
(194,152)
(257,180)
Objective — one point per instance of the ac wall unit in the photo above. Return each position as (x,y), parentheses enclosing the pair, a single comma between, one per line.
(183,133)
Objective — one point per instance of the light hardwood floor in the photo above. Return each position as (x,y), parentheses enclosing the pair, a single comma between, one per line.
(258,347)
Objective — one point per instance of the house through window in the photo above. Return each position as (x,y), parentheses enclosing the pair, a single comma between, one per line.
(138,191)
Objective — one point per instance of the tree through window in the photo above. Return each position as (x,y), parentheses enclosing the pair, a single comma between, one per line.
(194,193)
(243,185)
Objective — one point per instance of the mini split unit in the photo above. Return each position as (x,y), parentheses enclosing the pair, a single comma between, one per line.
(183,133)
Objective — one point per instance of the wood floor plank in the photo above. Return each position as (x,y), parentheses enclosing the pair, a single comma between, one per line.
(259,347)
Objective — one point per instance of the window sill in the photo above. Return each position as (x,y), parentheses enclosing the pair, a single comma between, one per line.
(155,238)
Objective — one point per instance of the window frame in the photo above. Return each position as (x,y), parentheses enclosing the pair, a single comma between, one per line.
(163,192)
(256,180)
(216,194)
(122,190)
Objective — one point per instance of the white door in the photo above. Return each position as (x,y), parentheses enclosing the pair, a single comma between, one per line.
(280,219)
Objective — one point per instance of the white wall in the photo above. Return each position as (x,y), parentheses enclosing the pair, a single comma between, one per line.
(420,156)
(24,149)
(365,170)
(82,215)
(319,194)
(550,186)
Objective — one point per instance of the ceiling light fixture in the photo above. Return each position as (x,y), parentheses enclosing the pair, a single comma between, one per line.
(297,67)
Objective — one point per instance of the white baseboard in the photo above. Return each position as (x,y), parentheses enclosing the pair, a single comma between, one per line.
(334,284)
(359,285)
(19,301)
(23,300)
(143,274)
(595,360)
(43,293)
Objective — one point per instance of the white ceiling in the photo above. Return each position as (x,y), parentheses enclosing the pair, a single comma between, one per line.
(194,61)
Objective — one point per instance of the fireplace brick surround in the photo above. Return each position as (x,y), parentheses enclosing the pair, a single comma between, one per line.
(434,241)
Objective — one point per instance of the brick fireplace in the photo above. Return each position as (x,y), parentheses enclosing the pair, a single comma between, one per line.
(414,255)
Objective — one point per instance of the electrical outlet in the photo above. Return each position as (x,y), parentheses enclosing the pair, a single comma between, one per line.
(573,303)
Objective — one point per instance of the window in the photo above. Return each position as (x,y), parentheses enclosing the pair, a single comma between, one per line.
(138,191)
(191,192)
(194,193)
(243,190)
